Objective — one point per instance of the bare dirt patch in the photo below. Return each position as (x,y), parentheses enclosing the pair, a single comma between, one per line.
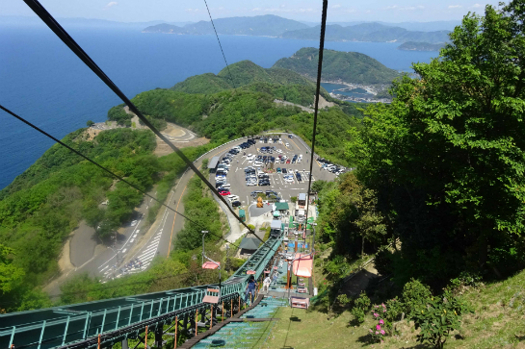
(323,103)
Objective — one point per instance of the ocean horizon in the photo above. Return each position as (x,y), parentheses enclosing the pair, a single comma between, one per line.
(42,80)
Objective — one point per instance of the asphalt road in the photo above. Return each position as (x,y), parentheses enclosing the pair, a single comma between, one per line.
(142,247)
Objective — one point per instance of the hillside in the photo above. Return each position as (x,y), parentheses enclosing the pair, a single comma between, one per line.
(280,83)
(350,67)
(267,25)
(420,46)
(373,32)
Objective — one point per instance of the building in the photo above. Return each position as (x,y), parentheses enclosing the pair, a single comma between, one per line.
(249,245)
(213,163)
(282,207)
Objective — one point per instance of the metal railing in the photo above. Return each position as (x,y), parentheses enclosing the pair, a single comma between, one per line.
(79,325)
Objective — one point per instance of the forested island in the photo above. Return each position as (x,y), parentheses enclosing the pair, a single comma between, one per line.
(275,26)
(267,25)
(420,46)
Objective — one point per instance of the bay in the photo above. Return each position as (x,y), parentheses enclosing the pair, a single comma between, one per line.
(42,81)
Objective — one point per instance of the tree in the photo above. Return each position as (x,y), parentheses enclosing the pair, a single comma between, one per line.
(90,123)
(370,222)
(9,274)
(447,157)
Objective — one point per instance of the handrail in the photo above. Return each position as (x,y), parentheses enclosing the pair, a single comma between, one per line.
(76,325)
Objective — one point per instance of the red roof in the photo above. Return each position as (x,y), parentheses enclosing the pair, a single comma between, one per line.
(250,272)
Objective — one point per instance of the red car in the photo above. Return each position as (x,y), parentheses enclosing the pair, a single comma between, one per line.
(224,193)
(288,161)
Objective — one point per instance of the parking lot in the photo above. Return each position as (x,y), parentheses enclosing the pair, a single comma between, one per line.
(286,185)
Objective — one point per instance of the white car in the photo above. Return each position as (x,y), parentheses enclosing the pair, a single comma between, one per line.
(225,186)
(134,223)
(279,151)
(233,198)
(258,163)
(250,156)
(251,184)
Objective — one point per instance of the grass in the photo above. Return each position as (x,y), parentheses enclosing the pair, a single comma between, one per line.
(498,321)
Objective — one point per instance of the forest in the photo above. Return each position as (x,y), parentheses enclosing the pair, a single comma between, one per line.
(437,198)
(43,205)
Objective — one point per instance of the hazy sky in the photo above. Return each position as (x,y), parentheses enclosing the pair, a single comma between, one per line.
(305,10)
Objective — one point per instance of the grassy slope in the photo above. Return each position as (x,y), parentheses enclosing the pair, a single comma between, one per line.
(498,322)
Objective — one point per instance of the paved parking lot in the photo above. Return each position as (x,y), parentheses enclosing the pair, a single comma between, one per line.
(236,176)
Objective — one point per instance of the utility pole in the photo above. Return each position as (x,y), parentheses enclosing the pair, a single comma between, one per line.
(228,258)
(204,232)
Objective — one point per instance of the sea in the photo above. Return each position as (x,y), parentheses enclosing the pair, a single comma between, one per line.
(42,81)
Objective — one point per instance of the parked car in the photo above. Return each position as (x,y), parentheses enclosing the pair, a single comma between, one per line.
(224,193)
(233,197)
(236,204)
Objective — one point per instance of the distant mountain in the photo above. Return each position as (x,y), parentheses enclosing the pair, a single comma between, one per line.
(243,73)
(81,22)
(420,46)
(348,67)
(268,25)
(373,32)
(413,26)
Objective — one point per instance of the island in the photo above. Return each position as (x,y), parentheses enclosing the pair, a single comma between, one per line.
(278,27)
(420,46)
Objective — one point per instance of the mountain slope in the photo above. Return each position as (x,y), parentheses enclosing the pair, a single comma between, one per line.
(243,73)
(350,67)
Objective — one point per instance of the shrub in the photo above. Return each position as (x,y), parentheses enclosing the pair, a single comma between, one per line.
(466,278)
(415,294)
(378,331)
(361,306)
(293,199)
(438,318)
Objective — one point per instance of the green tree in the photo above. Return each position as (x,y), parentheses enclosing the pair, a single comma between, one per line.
(89,123)
(9,273)
(370,223)
(447,157)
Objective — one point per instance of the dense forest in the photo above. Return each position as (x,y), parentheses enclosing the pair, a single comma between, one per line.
(349,67)
(438,194)
(44,204)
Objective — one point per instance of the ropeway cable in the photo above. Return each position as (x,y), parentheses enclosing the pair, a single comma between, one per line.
(105,169)
(220,45)
(316,108)
(50,21)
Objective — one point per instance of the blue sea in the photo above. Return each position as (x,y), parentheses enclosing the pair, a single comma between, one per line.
(42,81)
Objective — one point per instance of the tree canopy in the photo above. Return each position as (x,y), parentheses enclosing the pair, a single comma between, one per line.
(447,157)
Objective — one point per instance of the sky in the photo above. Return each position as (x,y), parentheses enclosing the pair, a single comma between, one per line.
(302,10)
